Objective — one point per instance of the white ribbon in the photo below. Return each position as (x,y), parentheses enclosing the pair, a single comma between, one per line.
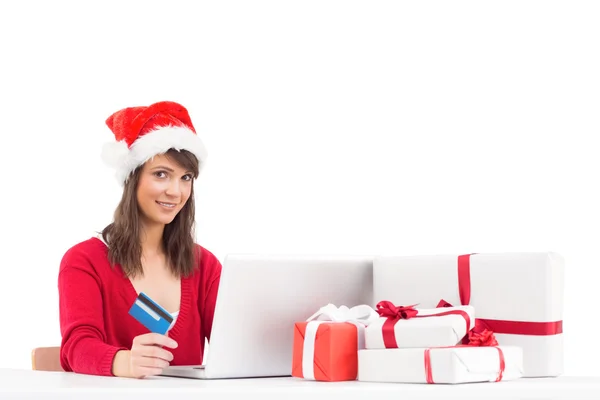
(360,316)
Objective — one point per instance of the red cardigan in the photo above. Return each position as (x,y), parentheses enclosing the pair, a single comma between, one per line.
(94,303)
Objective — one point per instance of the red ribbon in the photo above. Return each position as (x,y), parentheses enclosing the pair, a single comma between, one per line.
(396,313)
(522,328)
(495,325)
(429,373)
(464,278)
(388,309)
(393,314)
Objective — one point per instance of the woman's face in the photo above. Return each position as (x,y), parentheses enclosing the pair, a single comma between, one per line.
(163,189)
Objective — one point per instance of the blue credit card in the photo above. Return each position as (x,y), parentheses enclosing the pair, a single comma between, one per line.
(147,312)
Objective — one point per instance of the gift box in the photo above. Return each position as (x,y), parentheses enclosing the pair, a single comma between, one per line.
(518,296)
(407,326)
(326,345)
(445,365)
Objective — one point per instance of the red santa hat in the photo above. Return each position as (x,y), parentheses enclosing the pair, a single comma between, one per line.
(143,132)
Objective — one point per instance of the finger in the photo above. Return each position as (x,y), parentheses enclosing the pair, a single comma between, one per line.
(157,339)
(157,352)
(152,351)
(142,372)
(153,362)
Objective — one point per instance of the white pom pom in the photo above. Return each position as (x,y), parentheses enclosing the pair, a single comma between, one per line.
(114,154)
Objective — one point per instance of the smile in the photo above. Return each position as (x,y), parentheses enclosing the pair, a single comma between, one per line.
(167,205)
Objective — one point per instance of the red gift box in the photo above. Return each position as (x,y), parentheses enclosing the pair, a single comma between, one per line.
(326,346)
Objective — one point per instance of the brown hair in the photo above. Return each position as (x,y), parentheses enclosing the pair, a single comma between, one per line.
(123,235)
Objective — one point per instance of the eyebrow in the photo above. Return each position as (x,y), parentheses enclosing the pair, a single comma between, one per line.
(168,169)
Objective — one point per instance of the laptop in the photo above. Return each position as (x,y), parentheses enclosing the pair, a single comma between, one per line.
(260,298)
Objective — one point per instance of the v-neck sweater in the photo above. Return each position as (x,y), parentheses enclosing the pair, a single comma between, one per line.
(94,304)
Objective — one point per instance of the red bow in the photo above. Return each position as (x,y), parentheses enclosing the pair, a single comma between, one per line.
(483,338)
(388,309)
(480,335)
(443,303)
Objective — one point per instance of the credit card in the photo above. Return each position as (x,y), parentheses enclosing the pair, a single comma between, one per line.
(148,313)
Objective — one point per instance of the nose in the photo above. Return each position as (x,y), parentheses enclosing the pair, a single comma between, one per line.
(173,188)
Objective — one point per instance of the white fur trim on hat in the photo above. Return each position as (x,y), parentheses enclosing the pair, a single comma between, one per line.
(125,160)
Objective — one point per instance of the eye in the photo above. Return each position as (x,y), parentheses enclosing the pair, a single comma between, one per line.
(188,177)
(160,174)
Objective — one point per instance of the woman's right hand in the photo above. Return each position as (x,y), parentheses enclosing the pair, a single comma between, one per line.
(147,356)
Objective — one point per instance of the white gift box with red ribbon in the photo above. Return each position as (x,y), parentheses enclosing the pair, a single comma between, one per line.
(518,296)
(408,326)
(444,365)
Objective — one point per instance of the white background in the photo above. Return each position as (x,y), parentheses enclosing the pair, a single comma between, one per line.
(332,127)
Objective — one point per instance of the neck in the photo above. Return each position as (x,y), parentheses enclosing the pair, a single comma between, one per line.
(151,239)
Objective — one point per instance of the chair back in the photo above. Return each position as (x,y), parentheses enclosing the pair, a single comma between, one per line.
(46,359)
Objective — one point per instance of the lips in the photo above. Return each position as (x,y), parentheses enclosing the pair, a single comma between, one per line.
(166,205)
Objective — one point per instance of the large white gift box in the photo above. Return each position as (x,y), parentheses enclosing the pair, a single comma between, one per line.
(518,296)
(449,365)
(407,326)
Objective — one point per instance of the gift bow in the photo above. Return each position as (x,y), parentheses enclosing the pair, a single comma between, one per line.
(360,316)
(388,309)
(480,335)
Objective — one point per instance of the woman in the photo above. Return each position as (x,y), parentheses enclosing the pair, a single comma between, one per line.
(149,247)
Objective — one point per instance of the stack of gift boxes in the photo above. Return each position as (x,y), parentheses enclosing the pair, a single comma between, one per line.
(442,319)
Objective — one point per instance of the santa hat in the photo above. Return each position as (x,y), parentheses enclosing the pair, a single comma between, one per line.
(143,132)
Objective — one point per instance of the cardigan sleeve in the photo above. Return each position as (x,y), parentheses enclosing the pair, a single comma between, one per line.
(83,347)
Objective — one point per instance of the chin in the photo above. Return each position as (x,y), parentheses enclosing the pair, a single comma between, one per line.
(167,221)
(162,220)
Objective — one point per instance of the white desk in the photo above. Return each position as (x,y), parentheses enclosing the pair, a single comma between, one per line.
(25,384)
